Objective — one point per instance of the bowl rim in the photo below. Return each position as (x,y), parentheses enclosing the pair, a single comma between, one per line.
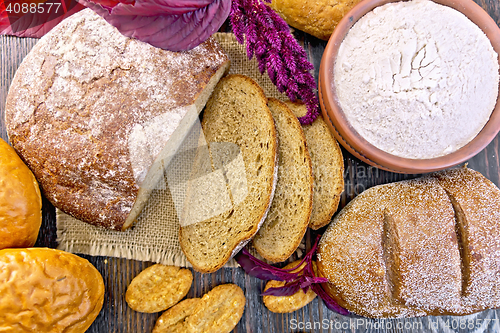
(362,149)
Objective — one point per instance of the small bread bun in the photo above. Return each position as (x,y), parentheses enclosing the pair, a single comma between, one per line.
(317,18)
(48,291)
(20,201)
(420,247)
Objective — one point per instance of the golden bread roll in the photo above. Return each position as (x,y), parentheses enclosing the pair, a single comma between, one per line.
(317,18)
(427,246)
(20,201)
(47,290)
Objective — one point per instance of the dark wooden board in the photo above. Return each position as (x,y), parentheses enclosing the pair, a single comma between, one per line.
(116,316)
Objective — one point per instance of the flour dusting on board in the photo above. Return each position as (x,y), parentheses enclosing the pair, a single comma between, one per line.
(416,79)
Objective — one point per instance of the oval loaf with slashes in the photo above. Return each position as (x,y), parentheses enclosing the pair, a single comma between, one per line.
(420,247)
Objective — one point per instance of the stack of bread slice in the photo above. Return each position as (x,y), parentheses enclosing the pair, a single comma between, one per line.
(280,186)
(236,113)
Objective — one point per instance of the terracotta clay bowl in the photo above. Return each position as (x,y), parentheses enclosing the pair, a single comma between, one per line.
(361,148)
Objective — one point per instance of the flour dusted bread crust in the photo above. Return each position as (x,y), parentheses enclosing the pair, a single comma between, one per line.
(236,114)
(327,166)
(95,115)
(414,248)
(290,211)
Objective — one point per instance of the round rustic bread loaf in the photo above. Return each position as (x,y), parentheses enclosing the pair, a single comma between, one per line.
(49,291)
(20,201)
(421,247)
(96,115)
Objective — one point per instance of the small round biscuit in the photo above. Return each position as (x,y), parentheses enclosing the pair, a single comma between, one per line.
(158,287)
(174,319)
(286,304)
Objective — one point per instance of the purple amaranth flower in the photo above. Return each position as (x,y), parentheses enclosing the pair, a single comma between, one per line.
(268,38)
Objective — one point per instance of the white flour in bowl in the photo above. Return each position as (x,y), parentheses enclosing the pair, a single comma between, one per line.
(416,79)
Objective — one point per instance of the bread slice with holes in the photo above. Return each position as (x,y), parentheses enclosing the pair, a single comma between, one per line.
(236,114)
(288,217)
(327,166)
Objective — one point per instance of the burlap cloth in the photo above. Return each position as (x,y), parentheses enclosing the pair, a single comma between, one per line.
(154,237)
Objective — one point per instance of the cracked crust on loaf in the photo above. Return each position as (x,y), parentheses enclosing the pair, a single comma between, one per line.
(96,115)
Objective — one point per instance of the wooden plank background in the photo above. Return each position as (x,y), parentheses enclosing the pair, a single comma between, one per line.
(116,316)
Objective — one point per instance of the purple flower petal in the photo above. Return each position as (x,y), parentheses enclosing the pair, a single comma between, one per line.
(329,301)
(257,268)
(35,25)
(171,25)
(268,37)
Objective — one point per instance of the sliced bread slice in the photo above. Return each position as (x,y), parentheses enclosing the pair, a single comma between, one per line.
(236,114)
(288,217)
(327,166)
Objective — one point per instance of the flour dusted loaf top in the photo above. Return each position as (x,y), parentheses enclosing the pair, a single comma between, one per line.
(94,113)
(427,246)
